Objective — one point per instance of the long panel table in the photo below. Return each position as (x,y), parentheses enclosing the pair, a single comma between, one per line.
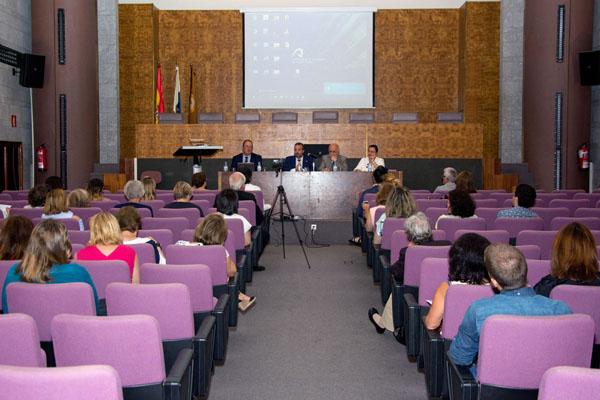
(313,195)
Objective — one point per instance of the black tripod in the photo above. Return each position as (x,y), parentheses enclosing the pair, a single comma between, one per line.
(282,197)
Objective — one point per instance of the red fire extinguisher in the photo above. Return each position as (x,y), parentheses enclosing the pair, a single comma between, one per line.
(583,156)
(41,155)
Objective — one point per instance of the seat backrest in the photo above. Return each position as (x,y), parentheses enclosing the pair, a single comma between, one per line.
(515,225)
(547,213)
(187,235)
(569,192)
(169,303)
(486,203)
(79,237)
(424,204)
(581,299)
(592,197)
(260,199)
(85,213)
(205,195)
(426,195)
(361,117)
(144,252)
(562,383)
(105,272)
(131,344)
(30,213)
(176,225)
(451,225)
(191,214)
(210,118)
(251,207)
(391,225)
(98,382)
(20,344)
(236,226)
(195,276)
(163,236)
(70,223)
(434,271)
(543,239)
(530,251)
(142,212)
(154,204)
(4,267)
(433,213)
(587,212)
(43,301)
(494,236)
(167,197)
(116,197)
(203,204)
(399,241)
(593,223)
(515,351)
(571,204)
(548,197)
(500,196)
(415,255)
(458,300)
(213,256)
(536,270)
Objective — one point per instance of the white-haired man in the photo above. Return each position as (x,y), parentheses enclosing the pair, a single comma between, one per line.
(448,179)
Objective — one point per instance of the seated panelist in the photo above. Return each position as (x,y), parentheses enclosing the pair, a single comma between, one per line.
(246,156)
(298,162)
(371,161)
(330,161)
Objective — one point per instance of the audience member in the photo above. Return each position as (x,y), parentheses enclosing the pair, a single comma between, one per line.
(37,196)
(53,182)
(371,162)
(333,161)
(134,192)
(149,188)
(199,181)
(130,224)
(183,193)
(399,204)
(448,179)
(574,260)
(460,205)
(248,186)
(298,162)
(106,244)
(56,207)
(246,156)
(523,199)
(95,188)
(226,204)
(418,233)
(46,260)
(78,198)
(378,175)
(507,269)
(466,266)
(464,182)
(14,237)
(380,199)
(237,182)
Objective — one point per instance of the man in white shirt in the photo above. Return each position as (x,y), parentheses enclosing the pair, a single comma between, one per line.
(447,180)
(371,161)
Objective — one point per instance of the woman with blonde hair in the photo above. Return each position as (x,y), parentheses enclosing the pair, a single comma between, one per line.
(399,204)
(46,260)
(78,198)
(574,260)
(380,198)
(56,207)
(149,188)
(106,244)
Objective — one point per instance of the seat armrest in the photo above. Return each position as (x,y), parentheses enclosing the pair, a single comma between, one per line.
(386,276)
(462,384)
(412,312)
(432,349)
(204,343)
(221,313)
(232,290)
(178,380)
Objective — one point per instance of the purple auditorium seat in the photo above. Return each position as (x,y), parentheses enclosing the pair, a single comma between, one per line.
(572,205)
(494,236)
(205,195)
(85,213)
(566,383)
(586,212)
(530,251)
(176,225)
(20,344)
(486,203)
(424,204)
(211,210)
(547,214)
(371,198)
(500,196)
(582,300)
(75,247)
(163,236)
(70,223)
(142,212)
(558,223)
(569,192)
(592,197)
(244,212)
(165,197)
(382,257)
(130,344)
(191,214)
(433,272)
(543,239)
(5,196)
(390,226)
(513,350)
(539,203)
(399,241)
(79,237)
(171,305)
(490,191)
(458,299)
(144,252)
(536,270)
(15,203)
(43,302)
(451,225)
(105,272)
(426,196)
(4,267)
(213,256)
(118,197)
(548,197)
(433,213)
(251,207)
(489,214)
(154,204)
(203,204)
(260,198)
(92,382)
(421,191)
(187,235)
(104,205)
(30,213)
(516,225)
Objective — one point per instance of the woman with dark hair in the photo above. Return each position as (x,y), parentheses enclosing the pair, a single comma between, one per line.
(460,205)
(466,266)
(574,260)
(226,204)
(199,181)
(14,237)
(37,196)
(95,187)
(464,182)
(46,260)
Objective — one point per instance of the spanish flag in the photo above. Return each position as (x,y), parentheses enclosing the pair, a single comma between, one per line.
(160,102)
(192,100)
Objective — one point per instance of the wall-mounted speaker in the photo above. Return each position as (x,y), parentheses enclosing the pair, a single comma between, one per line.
(31,70)
(62,131)
(558,123)
(60,34)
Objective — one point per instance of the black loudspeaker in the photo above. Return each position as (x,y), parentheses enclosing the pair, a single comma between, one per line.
(62,132)
(589,68)
(32,70)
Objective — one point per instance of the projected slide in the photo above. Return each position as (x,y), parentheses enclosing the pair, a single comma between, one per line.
(311,59)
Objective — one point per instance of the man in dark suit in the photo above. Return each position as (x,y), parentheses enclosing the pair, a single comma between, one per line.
(246,156)
(298,162)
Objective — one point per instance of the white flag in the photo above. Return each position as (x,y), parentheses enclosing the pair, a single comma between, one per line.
(177,94)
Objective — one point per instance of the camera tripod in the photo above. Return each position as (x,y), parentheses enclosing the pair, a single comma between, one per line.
(282,198)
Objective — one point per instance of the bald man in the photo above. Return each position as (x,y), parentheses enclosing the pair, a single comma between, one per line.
(333,159)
